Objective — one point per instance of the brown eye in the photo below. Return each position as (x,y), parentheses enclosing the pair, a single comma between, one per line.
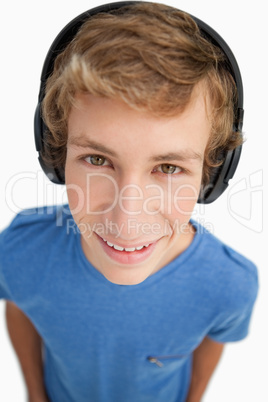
(96,160)
(169,169)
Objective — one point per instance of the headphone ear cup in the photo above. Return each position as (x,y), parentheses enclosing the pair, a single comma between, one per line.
(219,177)
(40,130)
(38,137)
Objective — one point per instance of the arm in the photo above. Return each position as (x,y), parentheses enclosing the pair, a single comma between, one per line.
(28,347)
(205,359)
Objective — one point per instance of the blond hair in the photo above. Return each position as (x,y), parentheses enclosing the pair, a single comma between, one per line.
(151,56)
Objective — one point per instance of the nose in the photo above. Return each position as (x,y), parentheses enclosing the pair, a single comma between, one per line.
(131,199)
(130,218)
(127,212)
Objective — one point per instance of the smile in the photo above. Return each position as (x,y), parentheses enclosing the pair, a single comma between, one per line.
(128,249)
(127,255)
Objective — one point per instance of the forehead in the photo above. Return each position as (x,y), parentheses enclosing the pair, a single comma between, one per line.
(115,124)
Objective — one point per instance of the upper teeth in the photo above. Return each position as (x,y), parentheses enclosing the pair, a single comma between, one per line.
(124,248)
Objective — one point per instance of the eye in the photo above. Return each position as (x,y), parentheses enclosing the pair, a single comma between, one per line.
(97,160)
(168,169)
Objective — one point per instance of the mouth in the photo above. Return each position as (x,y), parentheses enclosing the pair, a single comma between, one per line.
(127,249)
(127,255)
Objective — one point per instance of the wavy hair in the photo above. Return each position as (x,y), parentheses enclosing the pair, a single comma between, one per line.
(151,56)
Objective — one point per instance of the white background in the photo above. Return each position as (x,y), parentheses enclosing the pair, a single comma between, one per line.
(238,217)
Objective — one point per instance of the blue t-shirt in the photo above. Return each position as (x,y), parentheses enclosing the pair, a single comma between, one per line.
(105,342)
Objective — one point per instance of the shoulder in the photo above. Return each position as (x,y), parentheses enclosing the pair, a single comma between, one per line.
(34,225)
(221,258)
(35,239)
(233,276)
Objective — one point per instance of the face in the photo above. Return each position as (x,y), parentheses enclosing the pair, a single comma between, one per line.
(133,180)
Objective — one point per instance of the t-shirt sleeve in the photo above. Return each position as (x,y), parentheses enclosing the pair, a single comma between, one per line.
(4,288)
(232,329)
(233,323)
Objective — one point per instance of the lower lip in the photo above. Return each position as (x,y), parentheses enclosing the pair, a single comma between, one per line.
(127,257)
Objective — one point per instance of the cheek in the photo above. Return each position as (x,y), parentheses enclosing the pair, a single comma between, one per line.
(182,200)
(185,198)
(75,189)
(90,192)
(76,198)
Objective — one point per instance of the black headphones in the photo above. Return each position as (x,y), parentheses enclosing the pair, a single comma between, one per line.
(220,176)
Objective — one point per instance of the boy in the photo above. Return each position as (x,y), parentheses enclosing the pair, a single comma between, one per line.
(120,296)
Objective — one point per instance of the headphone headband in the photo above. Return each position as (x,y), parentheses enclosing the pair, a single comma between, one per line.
(222,175)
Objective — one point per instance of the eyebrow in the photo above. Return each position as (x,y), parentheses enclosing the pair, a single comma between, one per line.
(182,155)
